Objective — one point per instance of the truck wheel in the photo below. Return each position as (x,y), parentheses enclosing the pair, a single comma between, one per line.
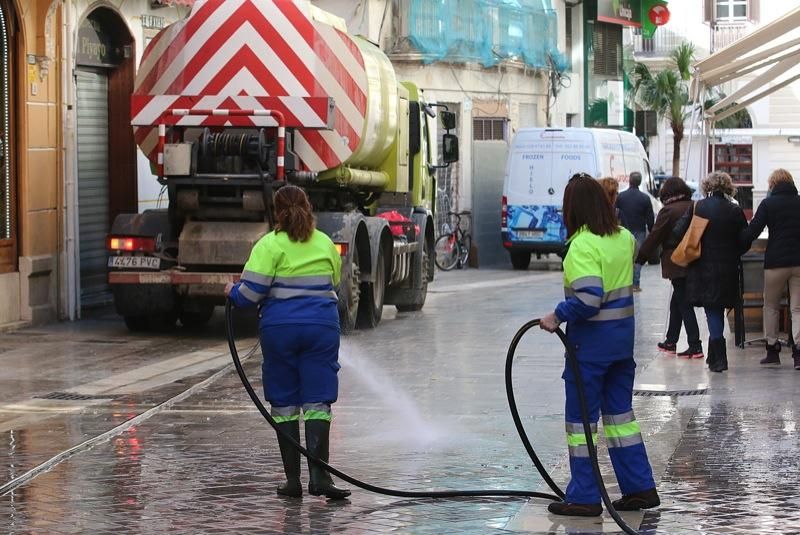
(137,324)
(422,293)
(520,259)
(370,309)
(196,317)
(350,297)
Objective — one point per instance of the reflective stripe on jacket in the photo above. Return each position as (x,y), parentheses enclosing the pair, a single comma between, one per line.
(598,288)
(293,282)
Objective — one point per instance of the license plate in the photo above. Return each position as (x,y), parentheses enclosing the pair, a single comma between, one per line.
(530,233)
(134,262)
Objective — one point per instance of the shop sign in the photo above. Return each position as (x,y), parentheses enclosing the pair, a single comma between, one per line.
(624,12)
(96,48)
(152,22)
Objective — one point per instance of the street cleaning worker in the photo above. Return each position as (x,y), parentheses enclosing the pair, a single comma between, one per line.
(598,309)
(291,276)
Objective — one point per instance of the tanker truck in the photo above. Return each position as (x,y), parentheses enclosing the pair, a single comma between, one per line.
(244,96)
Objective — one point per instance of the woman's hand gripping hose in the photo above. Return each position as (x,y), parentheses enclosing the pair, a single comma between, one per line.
(571,358)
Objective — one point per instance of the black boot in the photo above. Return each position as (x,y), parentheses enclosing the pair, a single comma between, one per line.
(317,441)
(720,362)
(773,354)
(291,460)
(711,355)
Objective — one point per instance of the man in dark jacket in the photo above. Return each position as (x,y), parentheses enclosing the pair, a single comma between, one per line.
(780,212)
(638,214)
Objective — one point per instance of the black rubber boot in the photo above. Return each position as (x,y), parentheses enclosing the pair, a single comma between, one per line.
(720,362)
(711,355)
(291,460)
(773,354)
(317,441)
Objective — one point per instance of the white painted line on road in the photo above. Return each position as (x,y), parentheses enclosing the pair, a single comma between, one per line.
(104,437)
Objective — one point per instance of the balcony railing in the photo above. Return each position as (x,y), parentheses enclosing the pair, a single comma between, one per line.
(666,40)
(724,35)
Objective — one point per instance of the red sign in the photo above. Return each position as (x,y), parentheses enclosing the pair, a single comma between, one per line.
(659,15)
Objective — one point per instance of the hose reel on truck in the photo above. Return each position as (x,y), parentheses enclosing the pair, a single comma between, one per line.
(324,111)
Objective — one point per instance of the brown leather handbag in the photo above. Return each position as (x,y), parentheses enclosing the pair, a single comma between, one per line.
(688,250)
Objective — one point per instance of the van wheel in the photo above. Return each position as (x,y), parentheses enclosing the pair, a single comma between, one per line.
(520,259)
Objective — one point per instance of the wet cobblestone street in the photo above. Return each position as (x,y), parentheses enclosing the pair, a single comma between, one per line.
(422,406)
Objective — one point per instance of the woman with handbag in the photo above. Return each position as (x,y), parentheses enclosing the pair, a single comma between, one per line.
(713,227)
(675,195)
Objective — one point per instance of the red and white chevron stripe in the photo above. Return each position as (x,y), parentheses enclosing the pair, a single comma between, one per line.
(257,54)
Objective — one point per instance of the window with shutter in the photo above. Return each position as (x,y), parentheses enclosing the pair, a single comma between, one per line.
(607,45)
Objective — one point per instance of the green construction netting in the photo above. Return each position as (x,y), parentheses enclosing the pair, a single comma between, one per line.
(485,31)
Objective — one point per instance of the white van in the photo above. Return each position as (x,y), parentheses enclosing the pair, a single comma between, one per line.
(540,163)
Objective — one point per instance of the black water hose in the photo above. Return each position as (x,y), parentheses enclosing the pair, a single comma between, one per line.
(571,358)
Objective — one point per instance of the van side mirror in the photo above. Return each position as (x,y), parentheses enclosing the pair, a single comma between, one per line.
(449,148)
(448,120)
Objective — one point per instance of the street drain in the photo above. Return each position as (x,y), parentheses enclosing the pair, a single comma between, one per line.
(71,396)
(652,393)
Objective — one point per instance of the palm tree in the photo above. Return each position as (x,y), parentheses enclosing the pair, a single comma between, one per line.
(666,92)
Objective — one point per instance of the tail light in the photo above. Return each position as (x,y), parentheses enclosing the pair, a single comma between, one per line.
(131,244)
(342,248)
(504,213)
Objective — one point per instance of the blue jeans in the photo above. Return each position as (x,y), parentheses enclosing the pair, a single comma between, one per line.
(716,322)
(637,268)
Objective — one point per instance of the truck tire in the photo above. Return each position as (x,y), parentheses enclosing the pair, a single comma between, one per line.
(196,317)
(520,259)
(350,296)
(370,309)
(137,324)
(421,293)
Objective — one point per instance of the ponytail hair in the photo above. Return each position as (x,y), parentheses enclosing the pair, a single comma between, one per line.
(293,213)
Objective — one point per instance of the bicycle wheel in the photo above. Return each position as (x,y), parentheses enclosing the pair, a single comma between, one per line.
(466,247)
(446,252)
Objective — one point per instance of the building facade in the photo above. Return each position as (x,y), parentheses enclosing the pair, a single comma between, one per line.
(66,69)
(755,143)
(500,65)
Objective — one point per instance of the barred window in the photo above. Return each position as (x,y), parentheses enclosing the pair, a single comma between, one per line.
(489,128)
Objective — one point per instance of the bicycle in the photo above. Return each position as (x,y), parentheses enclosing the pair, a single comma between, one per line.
(452,249)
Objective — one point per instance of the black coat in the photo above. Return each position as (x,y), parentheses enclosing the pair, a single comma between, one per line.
(781,213)
(713,279)
(636,209)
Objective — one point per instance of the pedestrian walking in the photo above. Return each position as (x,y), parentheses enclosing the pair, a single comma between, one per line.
(611,187)
(638,213)
(675,195)
(291,276)
(712,281)
(598,310)
(780,213)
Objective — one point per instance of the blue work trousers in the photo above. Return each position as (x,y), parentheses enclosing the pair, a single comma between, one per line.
(608,387)
(301,363)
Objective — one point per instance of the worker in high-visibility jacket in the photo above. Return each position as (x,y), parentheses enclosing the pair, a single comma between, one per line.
(598,310)
(291,276)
